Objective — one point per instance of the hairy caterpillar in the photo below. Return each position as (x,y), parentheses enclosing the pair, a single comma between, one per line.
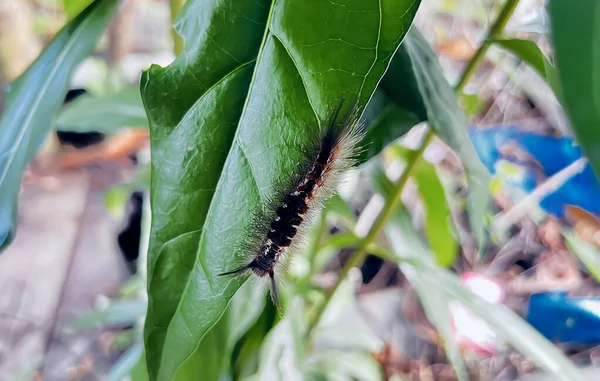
(333,153)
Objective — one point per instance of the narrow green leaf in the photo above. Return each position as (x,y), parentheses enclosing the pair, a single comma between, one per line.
(439,227)
(530,53)
(119,312)
(74,7)
(438,313)
(449,287)
(229,122)
(576,36)
(435,304)
(105,114)
(449,122)
(140,371)
(33,100)
(589,255)
(126,363)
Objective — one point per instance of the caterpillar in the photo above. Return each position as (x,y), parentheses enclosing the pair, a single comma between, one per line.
(333,153)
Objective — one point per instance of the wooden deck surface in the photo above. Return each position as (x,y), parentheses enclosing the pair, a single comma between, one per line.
(64,256)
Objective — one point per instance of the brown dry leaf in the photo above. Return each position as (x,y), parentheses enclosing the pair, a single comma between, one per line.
(550,234)
(120,145)
(85,366)
(554,272)
(414,314)
(392,360)
(586,225)
(460,49)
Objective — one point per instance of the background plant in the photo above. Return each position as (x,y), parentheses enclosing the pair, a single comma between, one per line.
(227,109)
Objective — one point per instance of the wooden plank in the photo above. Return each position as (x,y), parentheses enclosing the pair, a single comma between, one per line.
(33,269)
(98,269)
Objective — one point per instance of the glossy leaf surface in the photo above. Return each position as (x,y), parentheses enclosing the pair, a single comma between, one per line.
(229,122)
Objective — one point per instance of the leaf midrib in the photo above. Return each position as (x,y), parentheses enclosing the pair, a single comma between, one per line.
(212,201)
(235,142)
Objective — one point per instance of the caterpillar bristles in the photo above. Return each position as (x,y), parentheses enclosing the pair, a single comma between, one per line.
(286,226)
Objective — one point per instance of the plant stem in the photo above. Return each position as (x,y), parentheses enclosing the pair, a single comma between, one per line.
(176,6)
(361,253)
(495,31)
(392,202)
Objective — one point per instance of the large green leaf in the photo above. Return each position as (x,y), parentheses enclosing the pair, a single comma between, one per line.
(385,122)
(576,38)
(105,114)
(229,122)
(33,100)
(396,106)
(449,122)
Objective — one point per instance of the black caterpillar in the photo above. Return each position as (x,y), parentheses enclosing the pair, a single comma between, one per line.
(334,154)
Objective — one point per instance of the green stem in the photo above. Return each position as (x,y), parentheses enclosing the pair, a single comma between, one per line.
(361,252)
(392,202)
(176,6)
(495,31)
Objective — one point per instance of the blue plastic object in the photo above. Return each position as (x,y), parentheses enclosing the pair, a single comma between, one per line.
(565,319)
(552,154)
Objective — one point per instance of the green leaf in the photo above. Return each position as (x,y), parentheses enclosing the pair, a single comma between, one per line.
(343,315)
(342,365)
(431,278)
(105,114)
(530,53)
(471,103)
(449,122)
(589,255)
(282,354)
(246,307)
(74,7)
(337,206)
(576,35)
(386,122)
(439,226)
(400,83)
(229,121)
(33,100)
(395,108)
(435,304)
(119,312)
(126,363)
(139,371)
(245,357)
(211,360)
